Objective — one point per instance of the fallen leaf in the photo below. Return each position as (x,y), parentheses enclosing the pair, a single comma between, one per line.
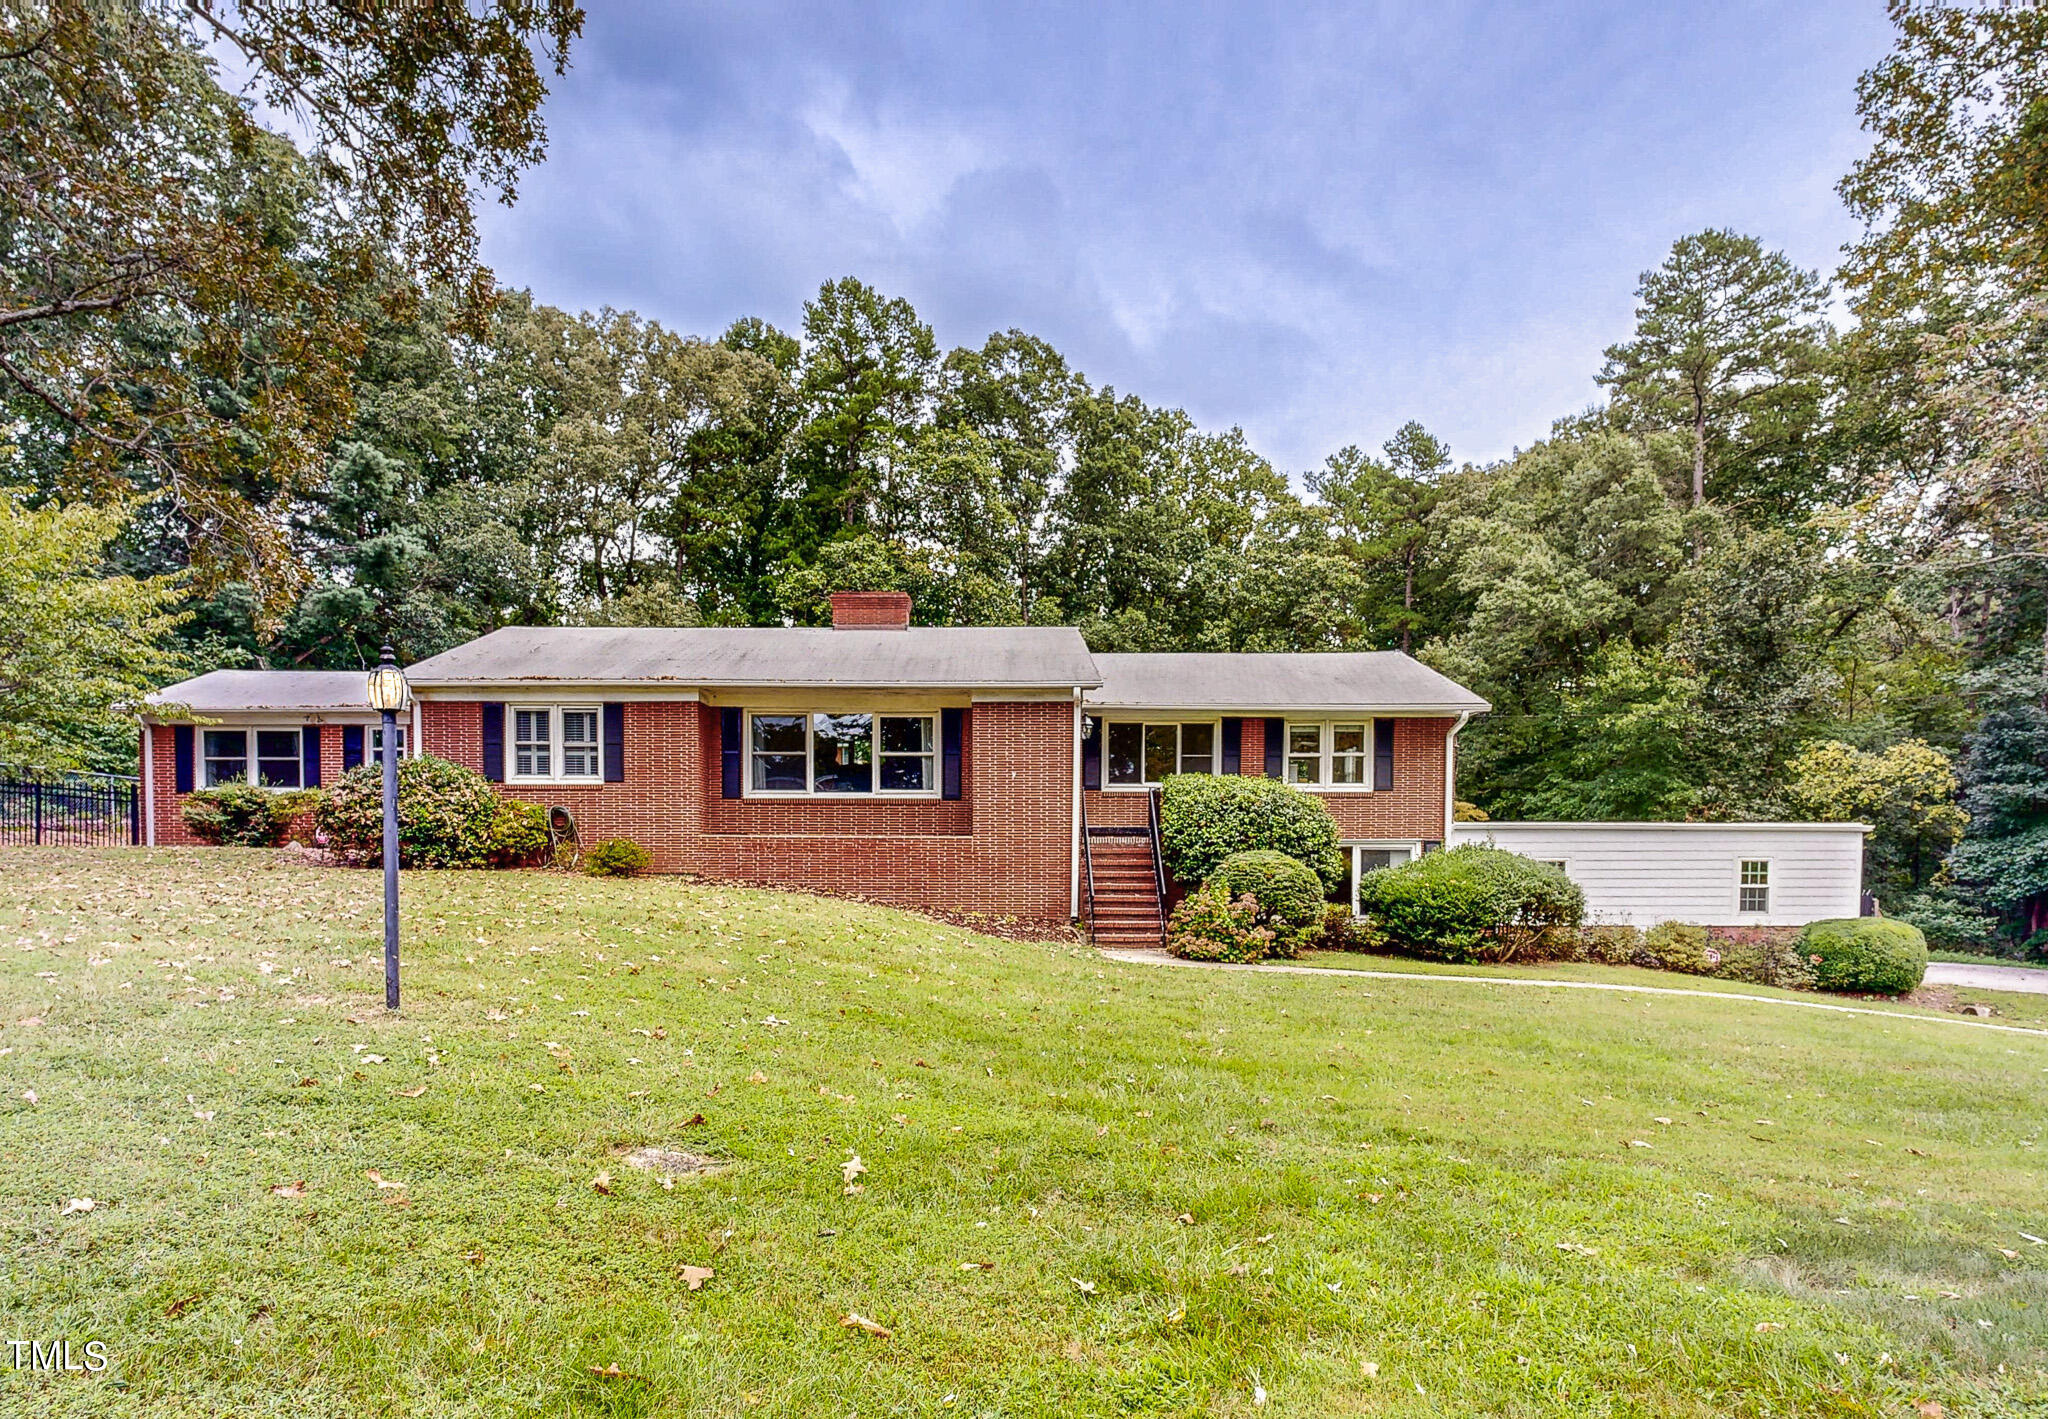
(473,1256)
(412,1093)
(2008,1254)
(612,1372)
(695,1276)
(1238,1269)
(919,1064)
(1661,1120)
(694,1121)
(203,1115)
(178,1306)
(603,1183)
(1929,1409)
(369,1059)
(30,1095)
(398,1199)
(757,1077)
(1086,1288)
(852,1168)
(78,1204)
(1638,1143)
(1186,1219)
(2037,1241)
(977,1266)
(290,1189)
(1765,1326)
(382,1182)
(854,1320)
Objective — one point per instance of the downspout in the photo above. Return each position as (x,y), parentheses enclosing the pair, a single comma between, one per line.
(1450,775)
(1074,822)
(148,784)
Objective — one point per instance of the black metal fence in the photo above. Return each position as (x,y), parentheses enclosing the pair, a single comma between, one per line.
(57,808)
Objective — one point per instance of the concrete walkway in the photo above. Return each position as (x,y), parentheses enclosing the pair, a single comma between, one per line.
(2026,980)
(1132,957)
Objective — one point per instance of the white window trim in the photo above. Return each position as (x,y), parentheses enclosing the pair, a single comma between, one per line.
(1352,847)
(252,774)
(937,756)
(554,713)
(1326,753)
(1147,785)
(1770,886)
(372,754)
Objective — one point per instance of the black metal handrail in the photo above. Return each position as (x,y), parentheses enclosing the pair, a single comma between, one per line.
(1088,861)
(1158,860)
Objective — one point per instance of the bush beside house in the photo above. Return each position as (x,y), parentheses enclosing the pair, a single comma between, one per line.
(1470,903)
(1209,926)
(243,815)
(1204,818)
(445,814)
(1866,955)
(617,857)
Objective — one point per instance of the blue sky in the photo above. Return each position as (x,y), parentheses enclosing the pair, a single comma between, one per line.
(1313,221)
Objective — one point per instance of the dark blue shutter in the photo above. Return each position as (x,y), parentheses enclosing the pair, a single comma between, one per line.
(1091,752)
(1383,754)
(729,753)
(309,756)
(494,742)
(1233,747)
(181,753)
(950,721)
(351,747)
(614,742)
(1276,735)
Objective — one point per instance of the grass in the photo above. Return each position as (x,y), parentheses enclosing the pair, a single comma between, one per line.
(1980,958)
(1090,1189)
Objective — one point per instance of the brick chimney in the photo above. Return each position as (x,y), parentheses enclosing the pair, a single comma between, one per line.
(870,610)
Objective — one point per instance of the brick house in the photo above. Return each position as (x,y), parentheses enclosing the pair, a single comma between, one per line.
(1000,770)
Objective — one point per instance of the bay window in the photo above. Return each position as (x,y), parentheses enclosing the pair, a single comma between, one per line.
(839,753)
(1137,754)
(554,744)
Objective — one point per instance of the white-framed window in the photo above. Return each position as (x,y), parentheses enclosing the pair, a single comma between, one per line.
(556,744)
(1753,885)
(815,753)
(376,736)
(1363,857)
(225,757)
(1333,753)
(1137,754)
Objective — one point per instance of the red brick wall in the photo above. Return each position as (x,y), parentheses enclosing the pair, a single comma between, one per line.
(1412,810)
(168,804)
(1002,848)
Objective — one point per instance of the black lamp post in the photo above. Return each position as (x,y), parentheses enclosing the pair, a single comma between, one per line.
(389,696)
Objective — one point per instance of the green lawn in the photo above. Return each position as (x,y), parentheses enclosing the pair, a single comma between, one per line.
(1089,1188)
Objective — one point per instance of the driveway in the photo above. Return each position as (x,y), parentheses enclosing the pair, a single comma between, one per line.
(2025,979)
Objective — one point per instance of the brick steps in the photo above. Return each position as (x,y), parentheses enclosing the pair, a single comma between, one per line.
(1126,909)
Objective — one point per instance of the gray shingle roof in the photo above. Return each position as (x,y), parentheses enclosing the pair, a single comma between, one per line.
(996,657)
(284,691)
(1326,680)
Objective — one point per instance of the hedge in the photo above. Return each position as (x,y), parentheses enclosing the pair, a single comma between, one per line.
(243,815)
(445,814)
(1470,903)
(1867,955)
(1204,818)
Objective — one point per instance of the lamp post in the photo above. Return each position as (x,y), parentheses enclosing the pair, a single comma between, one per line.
(390,694)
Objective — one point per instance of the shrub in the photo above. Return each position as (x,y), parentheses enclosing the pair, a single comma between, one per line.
(243,815)
(1471,903)
(1204,818)
(1868,954)
(518,833)
(1948,925)
(1209,926)
(1765,962)
(445,813)
(1342,931)
(617,857)
(1290,897)
(1612,945)
(1675,946)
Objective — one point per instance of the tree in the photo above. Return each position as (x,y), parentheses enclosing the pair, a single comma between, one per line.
(76,645)
(171,276)
(1381,517)
(1728,344)
(1907,793)
(2003,863)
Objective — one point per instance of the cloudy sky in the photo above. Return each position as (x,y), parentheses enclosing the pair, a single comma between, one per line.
(1313,221)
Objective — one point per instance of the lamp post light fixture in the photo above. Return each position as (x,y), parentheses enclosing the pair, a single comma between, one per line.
(389,696)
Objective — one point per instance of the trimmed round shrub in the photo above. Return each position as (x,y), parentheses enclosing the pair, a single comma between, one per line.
(1204,818)
(1209,926)
(518,834)
(1471,903)
(1290,897)
(1866,955)
(445,813)
(243,815)
(617,857)
(1676,946)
